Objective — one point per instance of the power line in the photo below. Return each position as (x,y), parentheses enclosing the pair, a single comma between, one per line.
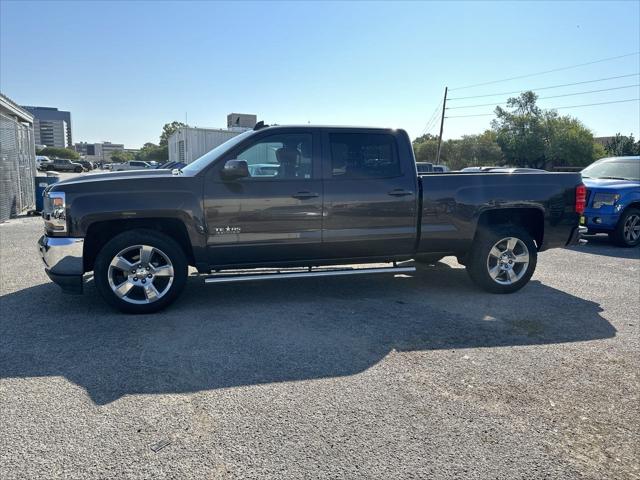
(552,96)
(554,108)
(547,71)
(431,121)
(590,91)
(545,88)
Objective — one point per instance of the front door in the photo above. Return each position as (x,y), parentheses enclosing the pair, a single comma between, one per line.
(273,215)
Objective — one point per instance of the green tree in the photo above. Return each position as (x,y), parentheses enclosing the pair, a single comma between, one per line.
(151,151)
(470,150)
(474,150)
(520,133)
(168,130)
(599,151)
(59,153)
(622,145)
(425,148)
(120,156)
(531,137)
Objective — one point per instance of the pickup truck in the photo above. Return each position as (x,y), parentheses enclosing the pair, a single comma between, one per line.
(613,199)
(336,196)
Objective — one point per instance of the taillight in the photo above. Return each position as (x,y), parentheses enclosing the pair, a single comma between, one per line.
(581,198)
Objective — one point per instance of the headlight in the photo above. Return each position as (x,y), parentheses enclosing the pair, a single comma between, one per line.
(54,214)
(608,199)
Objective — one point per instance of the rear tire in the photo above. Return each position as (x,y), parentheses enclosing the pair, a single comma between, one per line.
(627,232)
(140,271)
(502,259)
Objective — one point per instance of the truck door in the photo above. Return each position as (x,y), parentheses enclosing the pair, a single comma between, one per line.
(275,213)
(370,194)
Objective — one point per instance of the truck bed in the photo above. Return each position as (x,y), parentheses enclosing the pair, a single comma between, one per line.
(454,203)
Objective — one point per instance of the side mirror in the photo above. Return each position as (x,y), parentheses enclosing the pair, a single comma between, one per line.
(234,169)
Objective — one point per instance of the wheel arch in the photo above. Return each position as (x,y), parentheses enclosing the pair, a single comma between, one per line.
(529,218)
(99,233)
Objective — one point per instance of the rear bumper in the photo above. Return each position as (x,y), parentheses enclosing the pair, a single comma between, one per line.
(63,260)
(576,236)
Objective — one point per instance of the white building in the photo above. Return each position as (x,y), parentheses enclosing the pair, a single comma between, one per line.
(189,143)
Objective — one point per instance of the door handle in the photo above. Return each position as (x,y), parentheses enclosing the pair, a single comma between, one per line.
(399,192)
(304,195)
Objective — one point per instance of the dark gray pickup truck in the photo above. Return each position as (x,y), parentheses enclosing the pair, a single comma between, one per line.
(299,201)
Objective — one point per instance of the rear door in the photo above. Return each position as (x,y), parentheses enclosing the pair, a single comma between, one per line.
(371,193)
(273,215)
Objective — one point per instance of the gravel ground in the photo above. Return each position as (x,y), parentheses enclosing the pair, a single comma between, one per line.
(416,376)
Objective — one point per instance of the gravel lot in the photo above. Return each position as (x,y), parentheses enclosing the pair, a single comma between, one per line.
(419,376)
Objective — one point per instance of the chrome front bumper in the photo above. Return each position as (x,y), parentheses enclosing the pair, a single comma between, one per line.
(62,255)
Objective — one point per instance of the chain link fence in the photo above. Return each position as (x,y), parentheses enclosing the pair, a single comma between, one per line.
(17,168)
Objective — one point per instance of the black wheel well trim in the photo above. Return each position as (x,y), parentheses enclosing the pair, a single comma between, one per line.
(520,216)
(100,232)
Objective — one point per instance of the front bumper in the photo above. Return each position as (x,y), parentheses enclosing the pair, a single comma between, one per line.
(62,257)
(600,220)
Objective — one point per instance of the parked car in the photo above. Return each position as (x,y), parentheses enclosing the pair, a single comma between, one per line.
(172,165)
(361,203)
(440,169)
(424,167)
(613,199)
(64,165)
(43,162)
(130,165)
(86,164)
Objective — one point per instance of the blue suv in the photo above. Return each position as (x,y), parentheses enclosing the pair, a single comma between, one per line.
(613,199)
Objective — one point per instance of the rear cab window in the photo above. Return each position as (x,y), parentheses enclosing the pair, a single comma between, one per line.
(364,155)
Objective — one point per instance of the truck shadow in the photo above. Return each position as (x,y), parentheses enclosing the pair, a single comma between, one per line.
(246,334)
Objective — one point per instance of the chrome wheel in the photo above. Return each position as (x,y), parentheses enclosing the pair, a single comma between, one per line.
(140,274)
(631,229)
(508,260)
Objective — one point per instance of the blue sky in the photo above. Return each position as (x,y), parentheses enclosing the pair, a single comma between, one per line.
(124,69)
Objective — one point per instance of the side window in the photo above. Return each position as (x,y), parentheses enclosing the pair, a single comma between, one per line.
(363,155)
(279,157)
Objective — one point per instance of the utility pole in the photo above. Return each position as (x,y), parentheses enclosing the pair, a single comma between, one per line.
(444,107)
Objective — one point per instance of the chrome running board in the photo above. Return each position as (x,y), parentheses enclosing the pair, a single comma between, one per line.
(243,277)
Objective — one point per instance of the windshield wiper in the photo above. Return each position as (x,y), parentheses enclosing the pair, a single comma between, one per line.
(613,178)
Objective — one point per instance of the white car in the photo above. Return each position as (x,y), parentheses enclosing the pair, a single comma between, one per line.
(42,161)
(130,165)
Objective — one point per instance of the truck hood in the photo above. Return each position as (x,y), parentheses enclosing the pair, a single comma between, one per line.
(115,176)
(609,184)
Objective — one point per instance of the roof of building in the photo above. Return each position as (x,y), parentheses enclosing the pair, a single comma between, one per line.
(14,109)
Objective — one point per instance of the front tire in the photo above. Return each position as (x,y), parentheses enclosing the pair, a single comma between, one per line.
(502,259)
(140,271)
(78,170)
(627,232)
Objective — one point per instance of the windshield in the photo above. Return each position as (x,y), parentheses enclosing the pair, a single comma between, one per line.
(207,158)
(625,169)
